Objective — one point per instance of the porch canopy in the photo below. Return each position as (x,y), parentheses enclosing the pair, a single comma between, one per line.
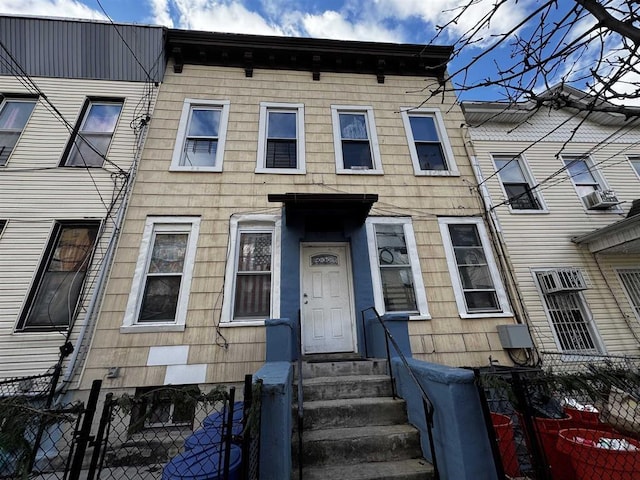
(622,237)
(322,210)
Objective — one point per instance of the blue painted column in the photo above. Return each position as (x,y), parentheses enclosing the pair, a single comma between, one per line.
(282,338)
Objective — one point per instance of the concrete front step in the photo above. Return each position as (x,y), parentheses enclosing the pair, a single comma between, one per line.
(312,369)
(347,446)
(347,386)
(353,412)
(411,469)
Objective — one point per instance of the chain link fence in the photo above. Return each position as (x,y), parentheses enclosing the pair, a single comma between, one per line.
(575,418)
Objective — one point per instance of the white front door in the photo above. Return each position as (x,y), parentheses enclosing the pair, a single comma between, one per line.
(327,299)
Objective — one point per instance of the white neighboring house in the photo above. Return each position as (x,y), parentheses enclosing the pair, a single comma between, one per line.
(73,116)
(561,199)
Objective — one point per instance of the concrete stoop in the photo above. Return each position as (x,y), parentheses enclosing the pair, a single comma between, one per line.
(353,428)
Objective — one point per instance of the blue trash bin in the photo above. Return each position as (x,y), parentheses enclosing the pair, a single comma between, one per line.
(203,463)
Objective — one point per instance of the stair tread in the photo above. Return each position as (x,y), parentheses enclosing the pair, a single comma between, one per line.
(343,379)
(339,402)
(343,433)
(371,471)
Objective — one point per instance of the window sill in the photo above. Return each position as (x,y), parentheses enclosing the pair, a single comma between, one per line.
(349,171)
(437,173)
(420,317)
(174,168)
(466,315)
(151,328)
(240,323)
(41,331)
(529,211)
(281,171)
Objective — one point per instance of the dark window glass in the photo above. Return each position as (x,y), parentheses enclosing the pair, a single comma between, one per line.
(356,148)
(13,117)
(427,142)
(253,276)
(201,142)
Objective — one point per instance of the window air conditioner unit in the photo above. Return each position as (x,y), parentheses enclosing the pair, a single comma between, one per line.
(562,280)
(600,200)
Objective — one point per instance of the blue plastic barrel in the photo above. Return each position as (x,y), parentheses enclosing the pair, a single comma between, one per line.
(209,436)
(217,418)
(203,463)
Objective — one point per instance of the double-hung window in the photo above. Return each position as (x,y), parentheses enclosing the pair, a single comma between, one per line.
(281,141)
(252,280)
(570,320)
(630,278)
(583,174)
(635,163)
(517,182)
(355,140)
(474,273)
(201,136)
(14,114)
(54,295)
(91,138)
(395,267)
(431,153)
(162,279)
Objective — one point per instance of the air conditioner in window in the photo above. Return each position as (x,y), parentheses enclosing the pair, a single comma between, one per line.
(600,200)
(562,280)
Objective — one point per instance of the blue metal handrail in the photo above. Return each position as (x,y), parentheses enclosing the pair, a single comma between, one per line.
(427,404)
(300,397)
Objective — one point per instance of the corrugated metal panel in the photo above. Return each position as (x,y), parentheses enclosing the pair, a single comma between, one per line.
(82,49)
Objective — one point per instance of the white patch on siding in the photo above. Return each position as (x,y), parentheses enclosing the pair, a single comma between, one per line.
(174,355)
(185,374)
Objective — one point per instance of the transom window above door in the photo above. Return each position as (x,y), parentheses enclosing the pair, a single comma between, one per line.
(281,143)
(201,136)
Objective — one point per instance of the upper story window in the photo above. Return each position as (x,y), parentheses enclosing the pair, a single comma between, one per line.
(54,295)
(431,153)
(474,273)
(252,278)
(395,267)
(3,223)
(355,140)
(14,114)
(162,280)
(583,174)
(201,136)
(90,140)
(281,142)
(635,163)
(517,182)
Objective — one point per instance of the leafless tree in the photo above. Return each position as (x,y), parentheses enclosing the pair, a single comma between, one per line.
(589,44)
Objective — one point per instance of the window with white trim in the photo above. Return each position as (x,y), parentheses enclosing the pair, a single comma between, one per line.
(162,279)
(14,115)
(476,280)
(91,139)
(570,320)
(395,268)
(355,140)
(56,290)
(431,153)
(585,176)
(163,407)
(281,140)
(635,163)
(630,278)
(517,182)
(252,277)
(201,136)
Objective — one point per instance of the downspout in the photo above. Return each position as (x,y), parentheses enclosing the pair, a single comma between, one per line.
(106,264)
(520,310)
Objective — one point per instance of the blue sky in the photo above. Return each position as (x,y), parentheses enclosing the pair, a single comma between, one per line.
(401,21)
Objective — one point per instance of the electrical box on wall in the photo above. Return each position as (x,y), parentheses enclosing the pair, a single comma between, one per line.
(514,336)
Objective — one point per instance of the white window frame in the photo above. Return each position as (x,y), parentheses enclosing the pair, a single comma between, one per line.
(4,100)
(241,223)
(153,225)
(633,159)
(181,137)
(414,263)
(374,146)
(600,182)
(529,178)
(625,288)
(449,158)
(503,300)
(585,310)
(298,109)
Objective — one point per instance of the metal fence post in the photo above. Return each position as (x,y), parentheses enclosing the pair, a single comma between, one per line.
(491,433)
(98,442)
(84,436)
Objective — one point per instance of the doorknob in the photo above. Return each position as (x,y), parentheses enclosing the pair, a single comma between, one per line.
(305,297)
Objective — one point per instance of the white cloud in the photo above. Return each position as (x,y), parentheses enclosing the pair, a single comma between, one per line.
(331,24)
(229,16)
(50,8)
(160,11)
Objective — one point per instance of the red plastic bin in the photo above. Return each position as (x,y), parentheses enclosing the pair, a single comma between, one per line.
(594,463)
(506,443)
